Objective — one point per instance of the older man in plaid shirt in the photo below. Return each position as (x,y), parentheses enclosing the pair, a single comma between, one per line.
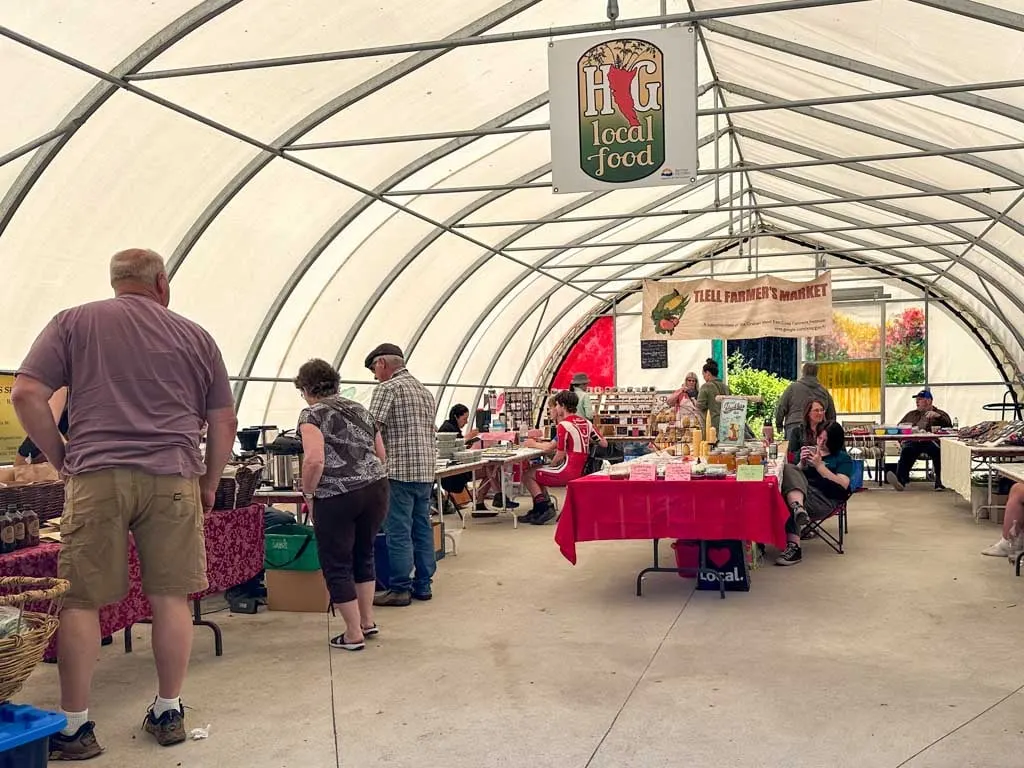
(405,411)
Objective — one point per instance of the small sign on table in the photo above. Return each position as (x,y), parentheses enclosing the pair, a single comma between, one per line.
(642,470)
(750,473)
(678,470)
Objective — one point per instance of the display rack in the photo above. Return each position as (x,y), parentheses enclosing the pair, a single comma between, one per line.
(624,413)
(519,407)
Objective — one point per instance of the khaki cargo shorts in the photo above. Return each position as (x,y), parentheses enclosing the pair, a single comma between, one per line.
(164,514)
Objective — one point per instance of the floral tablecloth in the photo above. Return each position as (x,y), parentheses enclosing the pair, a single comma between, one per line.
(234,554)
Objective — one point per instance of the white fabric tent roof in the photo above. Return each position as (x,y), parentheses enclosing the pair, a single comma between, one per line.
(369,188)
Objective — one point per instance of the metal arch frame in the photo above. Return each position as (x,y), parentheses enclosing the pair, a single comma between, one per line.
(484,258)
(597,263)
(504,37)
(326,111)
(97,96)
(489,309)
(410,256)
(860,68)
(979,12)
(894,178)
(307,261)
(895,137)
(991,304)
(886,176)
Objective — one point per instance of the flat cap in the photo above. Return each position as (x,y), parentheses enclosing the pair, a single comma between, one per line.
(381,350)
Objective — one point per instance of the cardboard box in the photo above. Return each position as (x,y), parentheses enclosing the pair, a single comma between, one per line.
(297,591)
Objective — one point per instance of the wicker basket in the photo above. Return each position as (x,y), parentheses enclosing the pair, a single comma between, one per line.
(45,499)
(225,496)
(247,480)
(20,653)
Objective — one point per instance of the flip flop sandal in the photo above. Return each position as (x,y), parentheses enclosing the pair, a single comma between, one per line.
(340,642)
(371,631)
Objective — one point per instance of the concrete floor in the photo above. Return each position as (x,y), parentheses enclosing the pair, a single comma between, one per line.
(903,652)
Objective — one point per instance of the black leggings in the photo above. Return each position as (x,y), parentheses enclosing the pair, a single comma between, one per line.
(346,528)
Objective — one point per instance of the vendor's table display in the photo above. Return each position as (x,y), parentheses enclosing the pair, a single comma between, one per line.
(234,554)
(960,459)
(877,437)
(599,508)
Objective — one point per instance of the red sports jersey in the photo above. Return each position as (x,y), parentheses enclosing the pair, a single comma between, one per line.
(573,435)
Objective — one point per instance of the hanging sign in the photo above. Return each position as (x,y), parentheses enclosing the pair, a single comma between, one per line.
(742,309)
(623,110)
(732,424)
(11,433)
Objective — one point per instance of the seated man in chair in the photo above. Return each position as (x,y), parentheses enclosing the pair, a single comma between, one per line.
(924,417)
(572,446)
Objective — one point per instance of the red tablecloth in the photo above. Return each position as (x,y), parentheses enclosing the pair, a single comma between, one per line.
(597,508)
(234,554)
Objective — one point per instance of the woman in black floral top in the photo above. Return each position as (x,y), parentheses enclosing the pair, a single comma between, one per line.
(344,481)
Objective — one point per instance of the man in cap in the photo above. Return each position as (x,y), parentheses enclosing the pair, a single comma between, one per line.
(925,417)
(405,411)
(579,384)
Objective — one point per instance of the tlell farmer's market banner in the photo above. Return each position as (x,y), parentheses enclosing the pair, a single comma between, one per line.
(745,309)
(623,110)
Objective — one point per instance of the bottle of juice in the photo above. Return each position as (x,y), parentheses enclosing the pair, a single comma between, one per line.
(6,532)
(19,528)
(31,528)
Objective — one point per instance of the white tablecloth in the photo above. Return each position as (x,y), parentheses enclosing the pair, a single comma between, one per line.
(956,467)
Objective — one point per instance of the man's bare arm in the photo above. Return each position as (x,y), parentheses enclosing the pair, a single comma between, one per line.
(31,400)
(220,437)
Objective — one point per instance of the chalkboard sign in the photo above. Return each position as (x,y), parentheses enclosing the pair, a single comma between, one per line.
(654,354)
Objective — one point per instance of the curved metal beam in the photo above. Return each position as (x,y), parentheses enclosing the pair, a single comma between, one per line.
(518,234)
(552,290)
(178,29)
(307,261)
(859,67)
(895,178)
(328,110)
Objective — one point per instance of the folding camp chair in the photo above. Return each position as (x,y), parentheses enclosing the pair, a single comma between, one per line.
(816,528)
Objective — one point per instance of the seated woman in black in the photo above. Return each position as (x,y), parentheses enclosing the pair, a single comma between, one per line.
(805,434)
(458,416)
(815,486)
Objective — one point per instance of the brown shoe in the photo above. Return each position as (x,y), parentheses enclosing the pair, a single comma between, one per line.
(392,598)
(169,728)
(81,746)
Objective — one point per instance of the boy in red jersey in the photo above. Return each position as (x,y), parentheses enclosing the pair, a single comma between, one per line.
(571,446)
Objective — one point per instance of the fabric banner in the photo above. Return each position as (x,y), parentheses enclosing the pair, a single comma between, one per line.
(11,433)
(623,110)
(744,309)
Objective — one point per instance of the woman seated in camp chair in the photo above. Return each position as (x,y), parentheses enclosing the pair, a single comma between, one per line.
(815,486)
(458,417)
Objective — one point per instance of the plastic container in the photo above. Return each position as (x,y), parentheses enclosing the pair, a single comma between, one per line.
(25,735)
(291,548)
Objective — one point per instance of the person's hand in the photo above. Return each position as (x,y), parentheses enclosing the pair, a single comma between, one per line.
(207,495)
(817,460)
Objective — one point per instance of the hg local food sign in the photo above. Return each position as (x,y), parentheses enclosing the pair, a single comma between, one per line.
(623,110)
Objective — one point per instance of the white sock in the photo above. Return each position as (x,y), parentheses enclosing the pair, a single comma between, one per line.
(75,721)
(165,705)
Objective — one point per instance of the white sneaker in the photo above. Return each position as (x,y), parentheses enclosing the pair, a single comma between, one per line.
(1002,548)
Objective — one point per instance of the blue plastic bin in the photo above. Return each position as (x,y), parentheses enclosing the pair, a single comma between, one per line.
(25,735)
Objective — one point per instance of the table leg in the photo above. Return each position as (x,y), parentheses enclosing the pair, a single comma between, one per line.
(658,568)
(199,621)
(128,638)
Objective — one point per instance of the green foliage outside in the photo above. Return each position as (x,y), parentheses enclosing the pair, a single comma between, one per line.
(744,380)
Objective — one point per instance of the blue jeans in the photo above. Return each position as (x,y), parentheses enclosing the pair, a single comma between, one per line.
(410,537)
